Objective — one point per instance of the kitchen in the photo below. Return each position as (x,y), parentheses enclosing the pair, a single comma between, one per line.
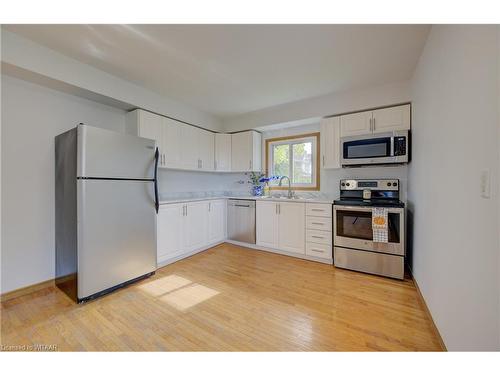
(285,209)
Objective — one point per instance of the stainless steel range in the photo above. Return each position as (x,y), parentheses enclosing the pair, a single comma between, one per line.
(354,245)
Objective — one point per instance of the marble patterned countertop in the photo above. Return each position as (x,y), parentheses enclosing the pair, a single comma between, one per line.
(309,198)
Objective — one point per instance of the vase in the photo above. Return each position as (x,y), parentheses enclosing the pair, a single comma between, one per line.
(257,190)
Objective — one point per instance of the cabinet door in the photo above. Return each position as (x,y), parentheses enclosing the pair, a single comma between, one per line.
(169,231)
(241,152)
(151,127)
(330,143)
(256,157)
(216,221)
(223,152)
(206,150)
(355,124)
(267,224)
(390,119)
(196,225)
(189,148)
(291,227)
(172,143)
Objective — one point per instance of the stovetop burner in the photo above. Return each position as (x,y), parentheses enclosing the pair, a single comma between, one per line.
(369,193)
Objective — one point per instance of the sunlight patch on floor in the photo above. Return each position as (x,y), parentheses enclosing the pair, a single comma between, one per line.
(188,296)
(164,285)
(178,291)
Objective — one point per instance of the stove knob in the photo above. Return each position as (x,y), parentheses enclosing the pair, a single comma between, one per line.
(389,184)
(343,183)
(394,184)
(347,184)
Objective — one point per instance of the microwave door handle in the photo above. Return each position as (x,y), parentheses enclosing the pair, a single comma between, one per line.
(392,146)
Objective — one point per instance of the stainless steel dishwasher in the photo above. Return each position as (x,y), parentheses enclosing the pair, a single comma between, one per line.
(241,220)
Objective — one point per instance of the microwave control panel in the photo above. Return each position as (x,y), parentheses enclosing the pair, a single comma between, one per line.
(399,146)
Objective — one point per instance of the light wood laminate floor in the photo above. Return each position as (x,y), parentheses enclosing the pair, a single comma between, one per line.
(230,298)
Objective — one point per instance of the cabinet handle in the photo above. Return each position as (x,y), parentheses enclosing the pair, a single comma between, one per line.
(318,223)
(323,160)
(317,237)
(317,209)
(209,206)
(215,164)
(250,164)
(374,126)
(318,251)
(279,209)
(164,160)
(201,164)
(276,209)
(186,209)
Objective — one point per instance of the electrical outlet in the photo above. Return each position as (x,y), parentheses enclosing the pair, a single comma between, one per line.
(485,183)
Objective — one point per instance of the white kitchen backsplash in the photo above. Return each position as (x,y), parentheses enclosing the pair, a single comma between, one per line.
(189,184)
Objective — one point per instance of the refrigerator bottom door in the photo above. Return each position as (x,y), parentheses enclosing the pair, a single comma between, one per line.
(116,233)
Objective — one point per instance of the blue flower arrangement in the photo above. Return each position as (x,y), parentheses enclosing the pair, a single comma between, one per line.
(258,180)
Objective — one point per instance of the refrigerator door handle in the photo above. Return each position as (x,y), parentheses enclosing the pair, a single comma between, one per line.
(157,203)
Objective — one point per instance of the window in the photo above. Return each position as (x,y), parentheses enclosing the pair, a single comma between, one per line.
(295,157)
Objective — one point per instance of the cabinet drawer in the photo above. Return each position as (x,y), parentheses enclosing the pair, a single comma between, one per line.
(319,250)
(319,236)
(319,223)
(318,209)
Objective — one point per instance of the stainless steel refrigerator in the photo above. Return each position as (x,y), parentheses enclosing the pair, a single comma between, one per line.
(106,196)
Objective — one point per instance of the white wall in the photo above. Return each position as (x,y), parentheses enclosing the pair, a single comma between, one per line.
(31,116)
(172,182)
(455,136)
(303,111)
(330,178)
(30,60)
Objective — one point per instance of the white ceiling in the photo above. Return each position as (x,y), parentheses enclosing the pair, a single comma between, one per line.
(233,69)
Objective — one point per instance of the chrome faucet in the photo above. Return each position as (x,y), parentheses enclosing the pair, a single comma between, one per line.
(291,193)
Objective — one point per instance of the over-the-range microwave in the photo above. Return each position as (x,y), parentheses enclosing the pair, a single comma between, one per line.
(383,148)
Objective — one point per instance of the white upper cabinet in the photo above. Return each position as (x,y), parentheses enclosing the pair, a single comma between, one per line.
(246,151)
(222,152)
(172,145)
(378,121)
(356,124)
(147,125)
(206,149)
(189,148)
(330,143)
(392,118)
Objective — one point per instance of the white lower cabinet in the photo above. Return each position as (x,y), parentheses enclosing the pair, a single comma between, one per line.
(319,234)
(183,228)
(266,217)
(216,221)
(196,225)
(170,227)
(281,225)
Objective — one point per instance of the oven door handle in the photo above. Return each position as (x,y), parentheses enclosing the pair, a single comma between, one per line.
(398,210)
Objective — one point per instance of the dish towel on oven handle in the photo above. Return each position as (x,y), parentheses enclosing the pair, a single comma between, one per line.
(379,224)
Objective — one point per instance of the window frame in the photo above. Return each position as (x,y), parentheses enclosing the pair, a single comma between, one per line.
(290,140)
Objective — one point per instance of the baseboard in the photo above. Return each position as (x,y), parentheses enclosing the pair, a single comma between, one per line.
(166,262)
(26,290)
(275,251)
(428,313)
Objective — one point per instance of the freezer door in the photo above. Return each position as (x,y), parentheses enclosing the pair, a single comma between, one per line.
(107,154)
(116,233)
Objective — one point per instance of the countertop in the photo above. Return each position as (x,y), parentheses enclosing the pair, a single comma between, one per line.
(300,200)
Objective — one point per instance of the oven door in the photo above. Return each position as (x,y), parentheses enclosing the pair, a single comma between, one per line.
(353,229)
